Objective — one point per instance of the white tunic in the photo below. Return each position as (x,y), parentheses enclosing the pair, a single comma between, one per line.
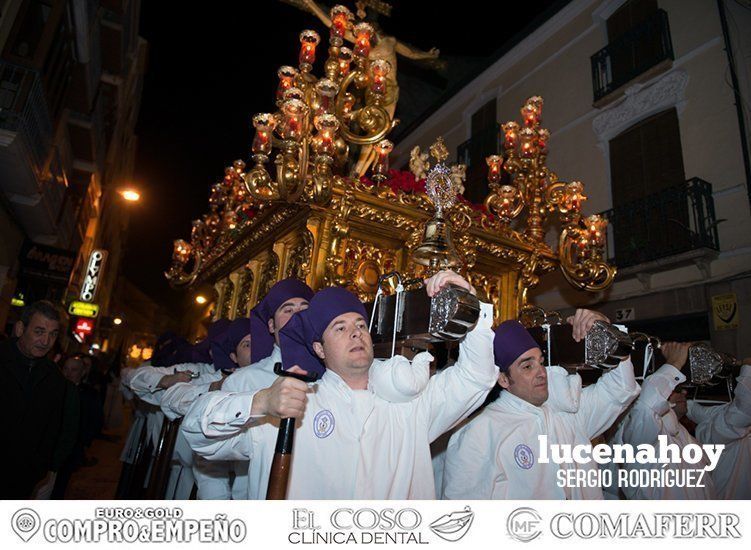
(730,425)
(352,444)
(496,455)
(650,417)
(213,478)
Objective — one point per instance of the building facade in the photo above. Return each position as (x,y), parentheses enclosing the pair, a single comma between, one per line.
(641,101)
(71,75)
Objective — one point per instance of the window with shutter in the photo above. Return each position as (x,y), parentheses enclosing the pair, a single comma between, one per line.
(646,162)
(484,142)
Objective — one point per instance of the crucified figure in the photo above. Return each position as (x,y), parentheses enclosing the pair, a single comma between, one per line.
(385,47)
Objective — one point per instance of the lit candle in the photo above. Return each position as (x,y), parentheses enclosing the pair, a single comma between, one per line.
(327,125)
(345,58)
(527,139)
(363,35)
(574,195)
(510,135)
(181,250)
(340,19)
(494,168)
(380,68)
(383,148)
(294,93)
(308,41)
(529,115)
(326,92)
(293,110)
(286,76)
(507,194)
(264,123)
(348,102)
(596,227)
(543,136)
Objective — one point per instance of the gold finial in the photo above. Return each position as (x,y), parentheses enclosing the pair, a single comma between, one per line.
(438,150)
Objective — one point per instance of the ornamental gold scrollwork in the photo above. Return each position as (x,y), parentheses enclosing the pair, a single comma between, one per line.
(364,263)
(300,257)
(339,234)
(269,273)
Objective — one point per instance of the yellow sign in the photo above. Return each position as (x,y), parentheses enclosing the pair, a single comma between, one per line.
(83,309)
(725,311)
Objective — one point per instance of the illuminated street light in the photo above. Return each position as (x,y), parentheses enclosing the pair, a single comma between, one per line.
(117,321)
(201,299)
(130,195)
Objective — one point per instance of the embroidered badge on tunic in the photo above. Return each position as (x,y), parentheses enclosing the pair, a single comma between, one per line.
(323,424)
(524,457)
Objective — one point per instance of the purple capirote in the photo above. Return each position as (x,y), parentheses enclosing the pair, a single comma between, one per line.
(263,340)
(511,340)
(306,327)
(200,351)
(227,343)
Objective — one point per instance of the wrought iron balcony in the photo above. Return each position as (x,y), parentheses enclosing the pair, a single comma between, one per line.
(24,111)
(632,54)
(670,223)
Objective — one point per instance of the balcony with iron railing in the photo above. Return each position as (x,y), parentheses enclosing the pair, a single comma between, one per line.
(674,226)
(24,113)
(639,52)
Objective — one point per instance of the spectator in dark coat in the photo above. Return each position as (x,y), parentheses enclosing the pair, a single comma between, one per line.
(38,406)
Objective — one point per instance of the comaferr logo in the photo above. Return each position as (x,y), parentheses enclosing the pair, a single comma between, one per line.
(645,526)
(523,524)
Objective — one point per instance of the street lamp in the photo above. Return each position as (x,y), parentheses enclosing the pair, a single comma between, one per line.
(201,299)
(130,195)
(117,321)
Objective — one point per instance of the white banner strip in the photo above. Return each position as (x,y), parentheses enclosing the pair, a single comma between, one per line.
(439,524)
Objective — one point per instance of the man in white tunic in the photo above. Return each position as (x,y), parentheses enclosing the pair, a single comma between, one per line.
(653,416)
(283,300)
(729,425)
(349,443)
(231,351)
(496,454)
(150,383)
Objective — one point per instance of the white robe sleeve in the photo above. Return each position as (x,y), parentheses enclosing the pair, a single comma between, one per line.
(644,421)
(603,402)
(400,381)
(215,426)
(177,400)
(145,381)
(452,395)
(725,423)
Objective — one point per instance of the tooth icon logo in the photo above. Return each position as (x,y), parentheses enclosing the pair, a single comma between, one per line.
(452,527)
(25,523)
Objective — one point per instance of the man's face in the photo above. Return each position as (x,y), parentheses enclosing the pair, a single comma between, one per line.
(346,346)
(73,370)
(527,378)
(242,353)
(36,339)
(283,314)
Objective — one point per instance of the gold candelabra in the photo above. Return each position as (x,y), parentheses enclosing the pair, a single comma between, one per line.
(328,131)
(318,119)
(534,187)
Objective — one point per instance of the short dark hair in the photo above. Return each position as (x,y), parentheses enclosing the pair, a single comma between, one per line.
(42,307)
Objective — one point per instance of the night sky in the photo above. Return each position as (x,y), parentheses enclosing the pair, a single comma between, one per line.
(210,69)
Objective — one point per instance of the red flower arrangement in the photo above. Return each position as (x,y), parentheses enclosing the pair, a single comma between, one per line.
(406,182)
